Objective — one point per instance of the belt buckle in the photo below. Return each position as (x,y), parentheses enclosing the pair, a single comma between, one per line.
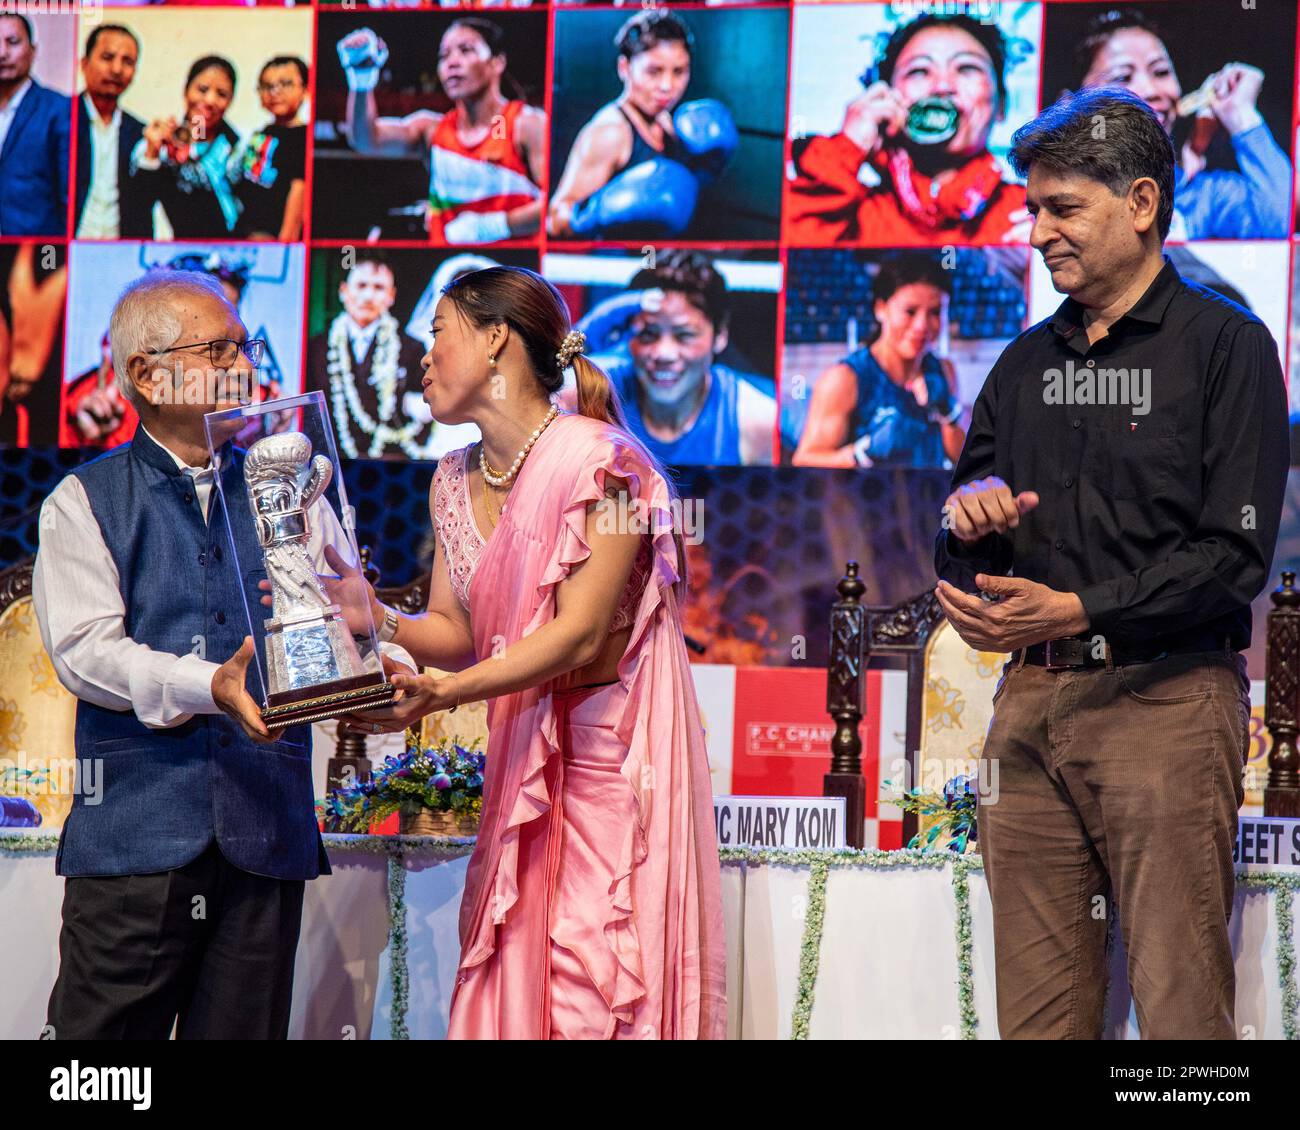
(1051,653)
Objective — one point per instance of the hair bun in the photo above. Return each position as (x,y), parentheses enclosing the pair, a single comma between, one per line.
(575,341)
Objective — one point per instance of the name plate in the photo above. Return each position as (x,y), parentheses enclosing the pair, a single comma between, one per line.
(779,821)
(1267,843)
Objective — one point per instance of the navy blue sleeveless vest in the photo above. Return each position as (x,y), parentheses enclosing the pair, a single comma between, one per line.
(166,794)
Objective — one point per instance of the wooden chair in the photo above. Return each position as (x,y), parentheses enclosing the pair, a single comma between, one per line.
(949,692)
(37,715)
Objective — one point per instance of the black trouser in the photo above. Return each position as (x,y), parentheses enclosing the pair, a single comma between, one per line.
(207,946)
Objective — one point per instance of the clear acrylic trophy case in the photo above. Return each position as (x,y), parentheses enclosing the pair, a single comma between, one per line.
(318,657)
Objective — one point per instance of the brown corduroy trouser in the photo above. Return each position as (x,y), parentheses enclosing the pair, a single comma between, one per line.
(1124,783)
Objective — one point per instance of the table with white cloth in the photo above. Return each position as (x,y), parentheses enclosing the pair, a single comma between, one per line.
(820,944)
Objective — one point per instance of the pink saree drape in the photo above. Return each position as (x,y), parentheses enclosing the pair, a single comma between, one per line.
(592,903)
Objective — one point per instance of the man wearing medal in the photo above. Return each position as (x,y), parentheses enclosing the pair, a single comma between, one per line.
(370,370)
(922,127)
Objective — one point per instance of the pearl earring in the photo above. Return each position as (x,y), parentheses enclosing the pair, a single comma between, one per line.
(492,358)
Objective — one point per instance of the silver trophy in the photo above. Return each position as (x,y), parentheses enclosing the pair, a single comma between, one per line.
(314,669)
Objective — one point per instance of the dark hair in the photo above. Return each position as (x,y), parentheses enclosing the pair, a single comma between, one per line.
(537,312)
(987,36)
(1130,144)
(690,273)
(27,24)
(101,29)
(649,28)
(375,257)
(235,274)
(907,268)
(283,61)
(1102,26)
(491,32)
(201,65)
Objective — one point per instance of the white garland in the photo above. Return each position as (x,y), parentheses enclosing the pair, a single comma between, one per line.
(347,404)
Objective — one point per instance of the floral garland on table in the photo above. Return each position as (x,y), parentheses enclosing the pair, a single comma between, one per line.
(1284,888)
(347,405)
(961,869)
(29,843)
(399,974)
(819,863)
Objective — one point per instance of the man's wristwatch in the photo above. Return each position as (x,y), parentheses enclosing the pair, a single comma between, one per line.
(388,629)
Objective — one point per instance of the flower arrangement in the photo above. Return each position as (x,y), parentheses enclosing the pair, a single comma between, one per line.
(443,782)
(955,812)
(16,811)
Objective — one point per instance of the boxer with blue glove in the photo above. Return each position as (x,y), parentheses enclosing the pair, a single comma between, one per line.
(636,168)
(891,401)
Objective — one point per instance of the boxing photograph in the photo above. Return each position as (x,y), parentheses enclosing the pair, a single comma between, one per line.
(686,338)
(657,134)
(264,284)
(1222,87)
(194,129)
(33,293)
(899,123)
(368,329)
(885,351)
(440,118)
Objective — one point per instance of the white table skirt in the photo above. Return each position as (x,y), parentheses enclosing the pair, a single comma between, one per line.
(888,959)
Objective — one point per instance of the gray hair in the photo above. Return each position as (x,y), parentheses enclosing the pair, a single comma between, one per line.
(144,318)
(1107,134)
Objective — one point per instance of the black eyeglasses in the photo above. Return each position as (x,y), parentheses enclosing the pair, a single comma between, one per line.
(223,352)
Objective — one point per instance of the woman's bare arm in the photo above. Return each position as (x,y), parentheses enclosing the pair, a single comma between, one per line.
(585,603)
(598,151)
(825,432)
(440,636)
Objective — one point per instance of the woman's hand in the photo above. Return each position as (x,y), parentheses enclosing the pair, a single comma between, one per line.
(878,112)
(417,695)
(156,134)
(350,590)
(1236,96)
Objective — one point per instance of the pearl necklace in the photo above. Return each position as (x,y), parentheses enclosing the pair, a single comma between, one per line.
(497,478)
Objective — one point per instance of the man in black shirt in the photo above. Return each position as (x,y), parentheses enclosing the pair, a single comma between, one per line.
(1114,512)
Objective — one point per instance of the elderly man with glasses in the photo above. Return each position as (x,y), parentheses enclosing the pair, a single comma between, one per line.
(193,829)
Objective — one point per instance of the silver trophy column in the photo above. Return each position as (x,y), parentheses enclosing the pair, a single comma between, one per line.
(308,644)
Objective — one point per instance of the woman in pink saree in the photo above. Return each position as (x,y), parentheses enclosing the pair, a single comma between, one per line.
(592,907)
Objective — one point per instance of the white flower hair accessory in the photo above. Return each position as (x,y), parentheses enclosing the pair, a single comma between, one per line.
(575,341)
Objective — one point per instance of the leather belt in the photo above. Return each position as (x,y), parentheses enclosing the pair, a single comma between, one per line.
(1072,652)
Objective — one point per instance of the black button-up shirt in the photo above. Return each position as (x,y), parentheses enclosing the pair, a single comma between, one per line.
(1160,456)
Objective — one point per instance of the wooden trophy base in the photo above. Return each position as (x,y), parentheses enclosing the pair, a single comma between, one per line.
(327,700)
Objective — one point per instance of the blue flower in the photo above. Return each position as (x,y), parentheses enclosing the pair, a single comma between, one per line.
(955,789)
(442,781)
